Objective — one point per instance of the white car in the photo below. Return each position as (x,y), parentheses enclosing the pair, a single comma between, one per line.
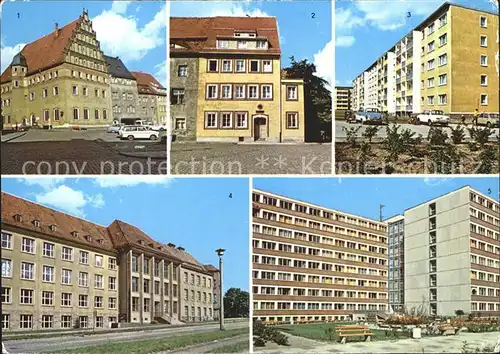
(431,117)
(132,132)
(159,127)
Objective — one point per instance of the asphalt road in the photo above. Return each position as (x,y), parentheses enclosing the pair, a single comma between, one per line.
(340,134)
(71,342)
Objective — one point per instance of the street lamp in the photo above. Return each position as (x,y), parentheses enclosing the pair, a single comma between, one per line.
(220,253)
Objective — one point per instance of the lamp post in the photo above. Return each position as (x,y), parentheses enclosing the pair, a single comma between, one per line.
(220,253)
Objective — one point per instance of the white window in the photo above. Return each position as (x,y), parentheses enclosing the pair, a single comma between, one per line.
(226,91)
(484,99)
(47,298)
(240,66)
(55,91)
(46,115)
(85,91)
(6,295)
(443,20)
(484,80)
(430,100)
(226,120)
(180,123)
(67,254)
(75,90)
(242,44)
(111,303)
(84,257)
(6,268)
(182,70)
(32,96)
(66,322)
(85,113)
(291,92)
(253,91)
(28,245)
(112,263)
(442,99)
(98,281)
(484,41)
(241,120)
(261,44)
(98,302)
(27,271)
(66,276)
(66,299)
(443,59)
(26,296)
(6,240)
(443,79)
(239,91)
(267,66)
(212,91)
(254,66)
(430,29)
(213,65)
(227,65)
(267,92)
(26,321)
(430,64)
(99,261)
(44,93)
(430,82)
(211,120)
(83,279)
(76,113)
(112,283)
(83,301)
(430,46)
(484,22)
(48,274)
(292,121)
(443,39)
(47,321)
(484,60)
(222,44)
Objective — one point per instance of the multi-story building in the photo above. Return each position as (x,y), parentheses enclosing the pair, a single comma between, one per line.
(452,254)
(314,263)
(152,103)
(343,97)
(396,262)
(60,271)
(216,289)
(242,94)
(124,94)
(449,62)
(60,79)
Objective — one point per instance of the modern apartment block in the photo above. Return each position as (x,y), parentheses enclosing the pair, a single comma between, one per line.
(314,263)
(449,62)
(343,98)
(395,235)
(60,271)
(227,83)
(452,254)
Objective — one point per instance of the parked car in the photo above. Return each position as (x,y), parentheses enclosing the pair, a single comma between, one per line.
(369,115)
(491,120)
(132,132)
(431,117)
(349,116)
(159,127)
(114,129)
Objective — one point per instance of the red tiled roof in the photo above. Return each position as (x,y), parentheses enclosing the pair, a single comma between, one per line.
(211,268)
(199,34)
(65,224)
(147,84)
(45,52)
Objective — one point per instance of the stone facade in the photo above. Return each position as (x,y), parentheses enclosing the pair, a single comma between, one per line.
(124,93)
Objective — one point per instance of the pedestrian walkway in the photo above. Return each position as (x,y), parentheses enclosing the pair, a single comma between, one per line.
(12,136)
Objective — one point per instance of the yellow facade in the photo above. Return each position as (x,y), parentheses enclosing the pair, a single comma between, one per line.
(291,108)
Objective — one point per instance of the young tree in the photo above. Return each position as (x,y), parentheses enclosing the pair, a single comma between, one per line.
(236,303)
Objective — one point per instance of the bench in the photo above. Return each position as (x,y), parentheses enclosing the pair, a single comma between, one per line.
(353,331)
(448,330)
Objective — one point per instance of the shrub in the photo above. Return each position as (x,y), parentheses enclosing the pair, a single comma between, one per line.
(480,135)
(457,134)
(397,143)
(263,334)
(370,132)
(437,136)
(487,159)
(351,134)
(364,155)
(445,159)
(459,312)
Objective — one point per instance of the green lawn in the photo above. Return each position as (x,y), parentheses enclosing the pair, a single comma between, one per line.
(170,342)
(242,347)
(316,331)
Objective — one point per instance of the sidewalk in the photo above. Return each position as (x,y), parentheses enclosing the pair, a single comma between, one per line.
(8,137)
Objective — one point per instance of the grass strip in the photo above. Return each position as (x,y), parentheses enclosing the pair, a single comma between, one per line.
(241,347)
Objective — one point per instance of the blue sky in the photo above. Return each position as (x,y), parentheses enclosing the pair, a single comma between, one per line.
(366,29)
(301,35)
(363,196)
(194,213)
(134,31)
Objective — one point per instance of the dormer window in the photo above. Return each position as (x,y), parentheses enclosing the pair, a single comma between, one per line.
(36,223)
(89,238)
(74,233)
(261,44)
(222,44)
(18,218)
(53,227)
(245,34)
(242,44)
(101,241)
(141,242)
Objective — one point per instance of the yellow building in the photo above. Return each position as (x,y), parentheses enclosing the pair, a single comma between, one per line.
(240,94)
(343,96)
(449,62)
(59,79)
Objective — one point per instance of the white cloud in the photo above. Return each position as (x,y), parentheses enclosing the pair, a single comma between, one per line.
(122,36)
(45,183)
(130,181)
(70,200)
(215,8)
(344,41)
(7,53)
(161,73)
(433,182)
(323,60)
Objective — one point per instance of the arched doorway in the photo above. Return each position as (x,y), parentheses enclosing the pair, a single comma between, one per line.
(25,121)
(32,119)
(260,127)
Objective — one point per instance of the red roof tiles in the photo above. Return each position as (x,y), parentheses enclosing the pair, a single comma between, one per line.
(147,84)
(199,34)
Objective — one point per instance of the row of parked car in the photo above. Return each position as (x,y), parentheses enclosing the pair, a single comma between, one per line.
(139,130)
(429,117)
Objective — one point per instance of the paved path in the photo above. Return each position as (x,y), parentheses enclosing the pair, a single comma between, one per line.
(71,342)
(440,344)
(204,348)
(340,134)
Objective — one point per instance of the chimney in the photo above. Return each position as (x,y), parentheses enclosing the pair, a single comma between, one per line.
(181,248)
(56,30)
